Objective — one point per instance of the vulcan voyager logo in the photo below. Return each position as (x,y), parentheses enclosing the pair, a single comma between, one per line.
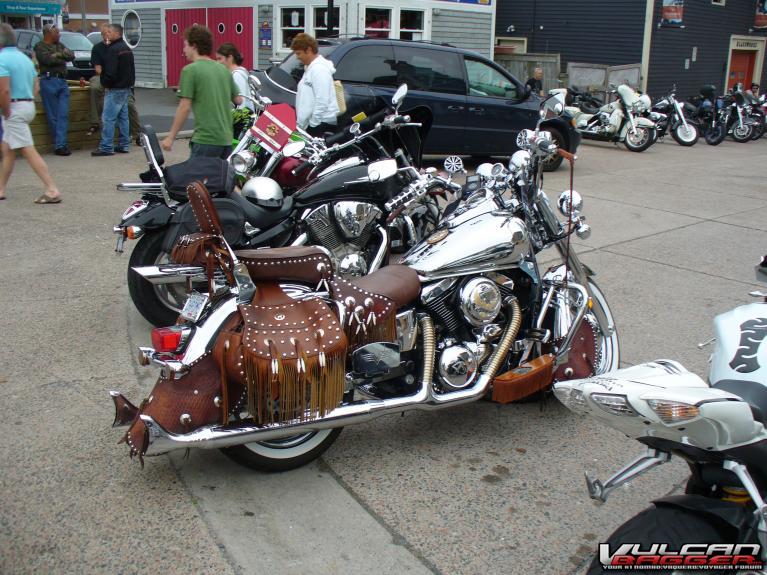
(692,557)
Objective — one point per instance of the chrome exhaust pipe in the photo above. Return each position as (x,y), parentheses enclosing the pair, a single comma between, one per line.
(425,399)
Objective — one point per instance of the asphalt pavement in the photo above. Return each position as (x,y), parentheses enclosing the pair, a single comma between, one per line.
(478,489)
(158,107)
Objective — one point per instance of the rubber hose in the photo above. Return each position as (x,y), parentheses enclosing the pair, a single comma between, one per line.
(507,339)
(429,348)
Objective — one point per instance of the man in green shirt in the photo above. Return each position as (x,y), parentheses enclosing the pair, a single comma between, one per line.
(206,88)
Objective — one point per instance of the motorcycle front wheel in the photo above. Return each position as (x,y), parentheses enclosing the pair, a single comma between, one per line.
(609,345)
(685,135)
(159,304)
(640,140)
(670,525)
(742,132)
(283,454)
(758,128)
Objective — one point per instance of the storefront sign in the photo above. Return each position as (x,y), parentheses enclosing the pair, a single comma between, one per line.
(29,8)
(746,44)
(760,18)
(265,36)
(673,13)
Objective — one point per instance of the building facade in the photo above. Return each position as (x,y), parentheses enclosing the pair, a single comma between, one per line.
(263,31)
(684,42)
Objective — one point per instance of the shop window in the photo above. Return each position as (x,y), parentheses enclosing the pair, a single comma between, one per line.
(411,25)
(487,81)
(131,28)
(368,65)
(321,22)
(430,70)
(377,22)
(292,23)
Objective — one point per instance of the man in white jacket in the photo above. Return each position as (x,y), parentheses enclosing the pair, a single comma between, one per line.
(316,106)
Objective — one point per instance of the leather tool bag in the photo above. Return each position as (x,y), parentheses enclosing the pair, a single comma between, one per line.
(179,405)
(290,354)
(368,317)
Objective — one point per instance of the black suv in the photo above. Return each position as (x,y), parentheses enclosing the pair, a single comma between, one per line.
(79,44)
(475,107)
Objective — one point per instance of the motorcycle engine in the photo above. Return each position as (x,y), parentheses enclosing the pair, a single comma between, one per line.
(344,228)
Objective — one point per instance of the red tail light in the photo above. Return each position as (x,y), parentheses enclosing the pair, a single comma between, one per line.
(168,339)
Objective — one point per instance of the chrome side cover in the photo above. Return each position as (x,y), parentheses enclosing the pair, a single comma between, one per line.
(354,217)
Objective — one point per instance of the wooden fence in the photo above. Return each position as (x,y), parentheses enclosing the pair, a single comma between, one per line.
(522,66)
(79,122)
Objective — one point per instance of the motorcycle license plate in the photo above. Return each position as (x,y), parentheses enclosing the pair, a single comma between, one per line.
(194,306)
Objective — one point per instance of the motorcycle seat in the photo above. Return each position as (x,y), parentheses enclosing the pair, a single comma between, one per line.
(752,392)
(396,282)
(308,264)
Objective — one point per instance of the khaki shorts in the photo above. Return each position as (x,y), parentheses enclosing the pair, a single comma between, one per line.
(16,132)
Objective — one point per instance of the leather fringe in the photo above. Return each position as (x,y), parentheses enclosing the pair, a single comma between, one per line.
(364,332)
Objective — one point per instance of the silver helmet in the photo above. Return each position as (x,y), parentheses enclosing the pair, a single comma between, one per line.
(263,191)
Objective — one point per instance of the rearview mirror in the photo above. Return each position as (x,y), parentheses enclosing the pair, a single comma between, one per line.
(399,95)
(553,106)
(293,148)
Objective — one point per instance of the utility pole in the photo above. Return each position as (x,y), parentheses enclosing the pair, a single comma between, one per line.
(330,17)
(83,23)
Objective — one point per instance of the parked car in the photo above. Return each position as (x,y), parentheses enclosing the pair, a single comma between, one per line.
(94,37)
(475,106)
(79,44)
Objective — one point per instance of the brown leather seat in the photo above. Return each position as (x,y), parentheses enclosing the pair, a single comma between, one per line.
(307,264)
(399,283)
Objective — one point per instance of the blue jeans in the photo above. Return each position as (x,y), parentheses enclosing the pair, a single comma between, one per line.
(115,110)
(210,151)
(55,95)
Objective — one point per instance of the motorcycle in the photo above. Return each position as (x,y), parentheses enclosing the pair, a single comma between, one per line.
(756,113)
(618,121)
(740,124)
(583,100)
(280,353)
(710,113)
(668,115)
(717,427)
(262,216)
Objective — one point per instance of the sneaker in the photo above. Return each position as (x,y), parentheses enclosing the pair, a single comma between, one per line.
(122,150)
(99,153)
(63,151)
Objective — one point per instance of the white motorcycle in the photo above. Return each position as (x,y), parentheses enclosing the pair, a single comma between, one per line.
(618,121)
(717,427)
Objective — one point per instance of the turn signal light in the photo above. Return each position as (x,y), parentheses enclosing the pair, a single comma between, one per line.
(133,232)
(673,412)
(613,403)
(168,339)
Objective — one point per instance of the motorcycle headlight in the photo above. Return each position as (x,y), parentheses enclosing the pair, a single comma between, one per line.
(673,412)
(570,202)
(613,404)
(242,162)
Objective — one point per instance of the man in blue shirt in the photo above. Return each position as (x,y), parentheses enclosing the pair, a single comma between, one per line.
(18,85)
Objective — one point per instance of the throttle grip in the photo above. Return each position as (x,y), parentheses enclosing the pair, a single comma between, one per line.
(300,168)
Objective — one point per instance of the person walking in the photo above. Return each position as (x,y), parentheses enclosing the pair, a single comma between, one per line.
(52,57)
(117,76)
(228,55)
(18,86)
(316,105)
(205,88)
(536,82)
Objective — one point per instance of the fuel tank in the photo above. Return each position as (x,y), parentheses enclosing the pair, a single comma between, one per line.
(348,183)
(472,241)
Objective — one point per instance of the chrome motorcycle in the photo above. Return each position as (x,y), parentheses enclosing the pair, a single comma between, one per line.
(717,427)
(618,121)
(468,315)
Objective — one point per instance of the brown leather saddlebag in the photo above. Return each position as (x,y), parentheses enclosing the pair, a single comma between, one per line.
(179,405)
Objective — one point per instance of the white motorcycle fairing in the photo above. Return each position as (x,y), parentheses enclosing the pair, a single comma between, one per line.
(740,352)
(662,399)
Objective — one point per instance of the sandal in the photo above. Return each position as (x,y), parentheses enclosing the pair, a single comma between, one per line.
(48,200)
(92,131)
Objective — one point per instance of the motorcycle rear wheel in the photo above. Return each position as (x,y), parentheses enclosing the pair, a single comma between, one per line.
(640,140)
(685,136)
(661,524)
(283,454)
(159,304)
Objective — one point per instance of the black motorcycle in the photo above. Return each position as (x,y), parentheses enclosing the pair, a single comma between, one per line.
(710,113)
(342,209)
(668,113)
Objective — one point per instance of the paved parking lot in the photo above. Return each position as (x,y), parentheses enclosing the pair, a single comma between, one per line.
(481,488)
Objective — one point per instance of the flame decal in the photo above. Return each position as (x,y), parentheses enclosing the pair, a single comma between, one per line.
(752,334)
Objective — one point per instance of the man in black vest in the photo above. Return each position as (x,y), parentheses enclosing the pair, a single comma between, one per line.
(118,75)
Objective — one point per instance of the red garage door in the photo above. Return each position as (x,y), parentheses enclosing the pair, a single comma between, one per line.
(176,21)
(233,25)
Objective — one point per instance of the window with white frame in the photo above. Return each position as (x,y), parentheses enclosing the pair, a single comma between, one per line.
(321,22)
(378,22)
(411,24)
(292,22)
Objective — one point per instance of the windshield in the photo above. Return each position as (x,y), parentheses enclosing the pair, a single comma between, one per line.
(75,41)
